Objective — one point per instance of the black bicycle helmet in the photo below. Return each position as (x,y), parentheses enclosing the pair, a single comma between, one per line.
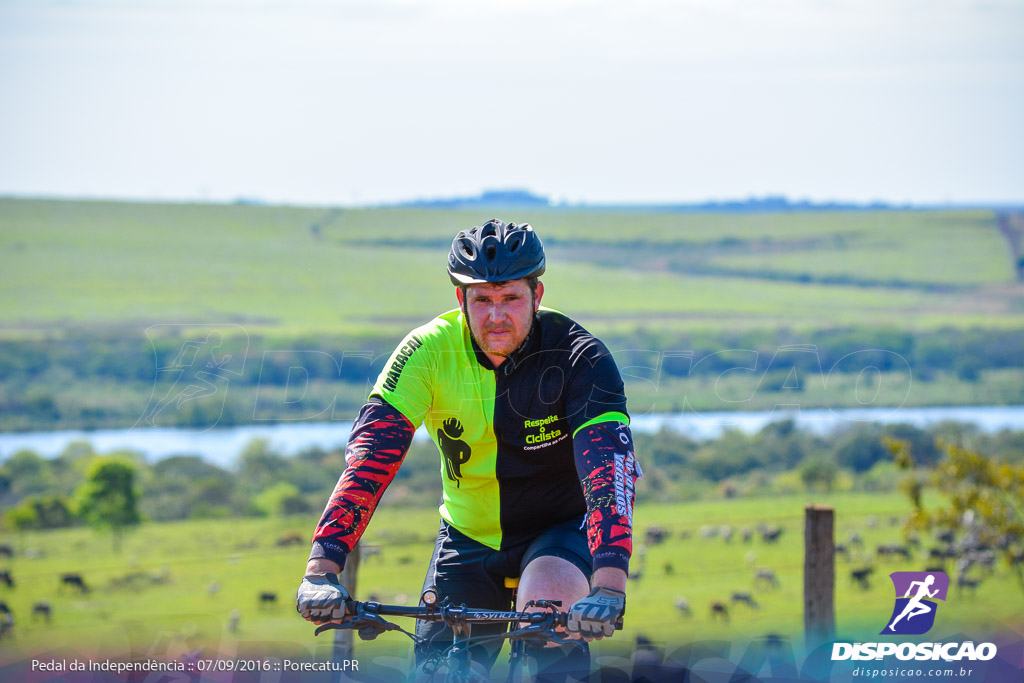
(495,252)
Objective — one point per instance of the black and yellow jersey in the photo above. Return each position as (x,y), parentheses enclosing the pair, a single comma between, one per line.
(514,441)
(505,433)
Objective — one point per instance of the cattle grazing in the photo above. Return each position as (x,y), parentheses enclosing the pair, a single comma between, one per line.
(6,578)
(213,588)
(964,583)
(42,610)
(73,580)
(726,533)
(683,605)
(893,549)
(860,577)
(6,550)
(293,538)
(6,624)
(719,611)
(747,534)
(745,598)
(655,535)
(268,599)
(986,559)
(856,540)
(771,534)
(669,569)
(765,578)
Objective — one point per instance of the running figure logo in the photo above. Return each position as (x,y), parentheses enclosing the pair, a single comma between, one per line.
(914,613)
(456,451)
(193,372)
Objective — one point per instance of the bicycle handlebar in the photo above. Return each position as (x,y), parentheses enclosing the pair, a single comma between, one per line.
(362,614)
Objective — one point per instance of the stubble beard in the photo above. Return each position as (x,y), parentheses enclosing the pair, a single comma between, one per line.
(501,352)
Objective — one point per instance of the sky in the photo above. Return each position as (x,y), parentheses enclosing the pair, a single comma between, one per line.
(356,102)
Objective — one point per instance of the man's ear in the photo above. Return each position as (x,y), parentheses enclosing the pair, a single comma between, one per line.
(537,295)
(458,295)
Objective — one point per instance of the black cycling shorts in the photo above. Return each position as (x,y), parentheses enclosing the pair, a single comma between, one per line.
(470,573)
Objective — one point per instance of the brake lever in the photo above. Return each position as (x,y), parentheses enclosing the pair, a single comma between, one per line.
(367,623)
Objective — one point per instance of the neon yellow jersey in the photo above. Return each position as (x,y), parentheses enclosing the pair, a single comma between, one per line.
(505,435)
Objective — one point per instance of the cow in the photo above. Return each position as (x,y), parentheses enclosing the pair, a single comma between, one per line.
(893,549)
(745,598)
(765,577)
(962,583)
(6,578)
(683,605)
(42,609)
(655,535)
(73,580)
(7,550)
(860,577)
(268,599)
(293,538)
(720,611)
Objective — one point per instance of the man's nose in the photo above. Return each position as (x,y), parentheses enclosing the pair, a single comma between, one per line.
(498,313)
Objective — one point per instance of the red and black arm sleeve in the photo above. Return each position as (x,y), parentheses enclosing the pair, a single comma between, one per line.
(380,438)
(608,471)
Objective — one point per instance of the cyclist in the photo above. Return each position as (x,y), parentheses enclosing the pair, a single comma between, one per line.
(528,412)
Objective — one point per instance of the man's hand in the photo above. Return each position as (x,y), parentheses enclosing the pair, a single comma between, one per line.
(321,598)
(595,616)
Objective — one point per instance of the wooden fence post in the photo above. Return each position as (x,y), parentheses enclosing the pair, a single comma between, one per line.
(343,640)
(819,575)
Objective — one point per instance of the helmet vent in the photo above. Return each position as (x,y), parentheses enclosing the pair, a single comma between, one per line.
(467,248)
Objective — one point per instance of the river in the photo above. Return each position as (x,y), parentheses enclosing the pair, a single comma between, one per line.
(221,445)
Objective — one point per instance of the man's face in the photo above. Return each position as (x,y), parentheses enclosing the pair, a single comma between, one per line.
(500,314)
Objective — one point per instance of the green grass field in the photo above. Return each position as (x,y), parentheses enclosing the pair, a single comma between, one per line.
(292,270)
(168,608)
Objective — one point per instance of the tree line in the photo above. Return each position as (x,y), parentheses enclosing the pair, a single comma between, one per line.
(121,379)
(118,489)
